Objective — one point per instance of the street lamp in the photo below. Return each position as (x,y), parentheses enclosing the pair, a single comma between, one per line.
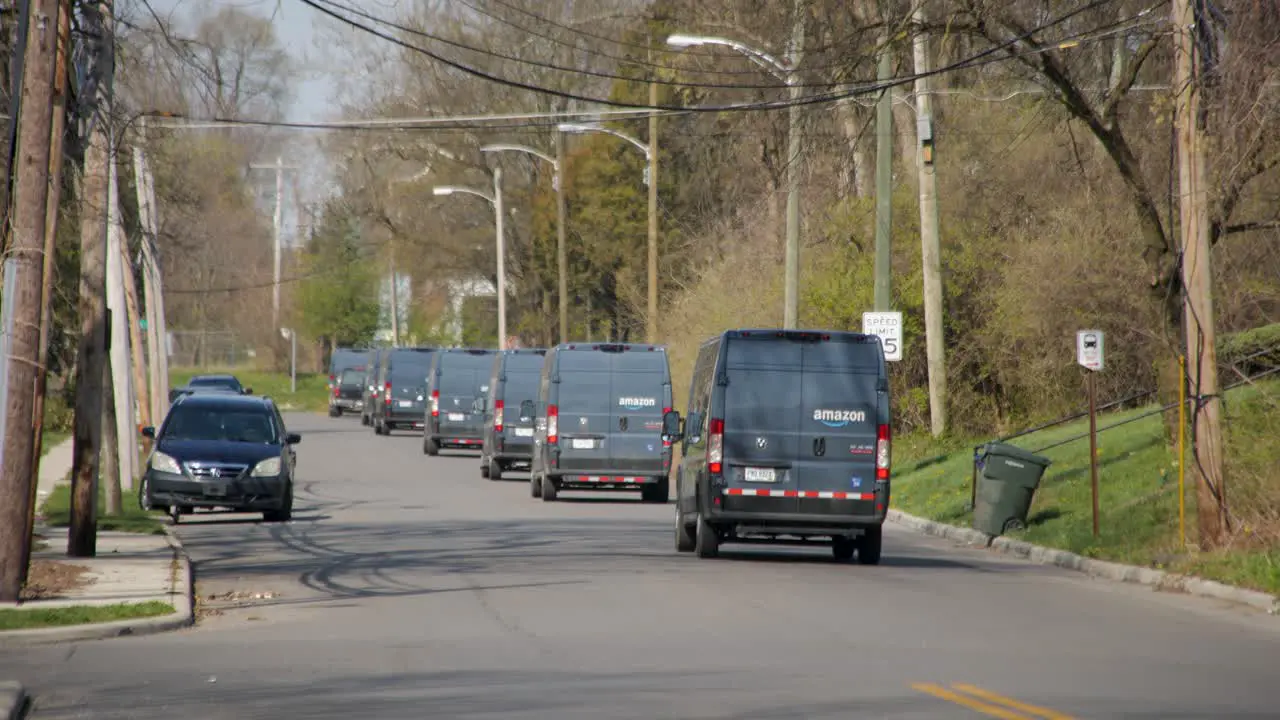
(650,172)
(786,72)
(496,201)
(557,182)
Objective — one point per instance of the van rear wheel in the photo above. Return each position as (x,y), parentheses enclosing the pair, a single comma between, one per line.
(685,542)
(484,467)
(494,470)
(842,548)
(548,489)
(869,546)
(655,492)
(706,542)
(535,486)
(430,447)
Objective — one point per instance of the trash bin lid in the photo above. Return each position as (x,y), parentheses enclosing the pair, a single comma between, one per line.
(1017,453)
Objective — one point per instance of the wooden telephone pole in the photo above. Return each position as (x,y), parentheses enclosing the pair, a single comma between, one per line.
(1202,360)
(26,251)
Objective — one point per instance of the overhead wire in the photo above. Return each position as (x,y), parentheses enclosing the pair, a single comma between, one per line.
(981,58)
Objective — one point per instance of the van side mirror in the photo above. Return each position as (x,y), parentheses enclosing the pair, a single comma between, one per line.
(292,439)
(671,426)
(693,426)
(477,405)
(149,432)
(248,391)
(527,410)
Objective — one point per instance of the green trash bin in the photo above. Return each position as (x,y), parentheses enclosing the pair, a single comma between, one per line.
(1006,485)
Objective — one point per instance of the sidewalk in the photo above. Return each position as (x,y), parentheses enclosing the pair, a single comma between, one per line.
(55,469)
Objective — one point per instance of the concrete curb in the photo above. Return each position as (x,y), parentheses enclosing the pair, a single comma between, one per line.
(1157,579)
(181,596)
(13,700)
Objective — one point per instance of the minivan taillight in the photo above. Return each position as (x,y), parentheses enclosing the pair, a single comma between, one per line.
(386,394)
(553,424)
(435,403)
(882,454)
(497,415)
(715,446)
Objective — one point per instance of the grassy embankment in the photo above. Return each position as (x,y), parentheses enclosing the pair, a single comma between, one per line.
(132,518)
(1138,490)
(311,395)
(21,619)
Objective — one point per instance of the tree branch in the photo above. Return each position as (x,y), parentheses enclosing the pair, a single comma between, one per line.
(1111,102)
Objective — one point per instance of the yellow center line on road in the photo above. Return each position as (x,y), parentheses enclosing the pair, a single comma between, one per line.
(989,696)
(976,705)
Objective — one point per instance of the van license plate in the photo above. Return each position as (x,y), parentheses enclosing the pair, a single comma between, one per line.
(583,443)
(456,417)
(406,403)
(524,432)
(760,474)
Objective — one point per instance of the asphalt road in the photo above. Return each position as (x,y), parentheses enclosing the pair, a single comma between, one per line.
(409,587)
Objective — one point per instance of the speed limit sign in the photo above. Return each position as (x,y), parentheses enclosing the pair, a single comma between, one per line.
(888,327)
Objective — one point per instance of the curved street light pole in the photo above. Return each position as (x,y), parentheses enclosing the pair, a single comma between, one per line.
(562,260)
(496,200)
(786,72)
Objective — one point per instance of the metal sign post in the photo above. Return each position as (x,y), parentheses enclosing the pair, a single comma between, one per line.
(1089,355)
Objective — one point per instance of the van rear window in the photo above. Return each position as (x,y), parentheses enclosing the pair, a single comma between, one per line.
(525,363)
(768,352)
(585,392)
(522,384)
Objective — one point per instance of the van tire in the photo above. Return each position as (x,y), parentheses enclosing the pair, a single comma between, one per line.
(548,489)
(535,486)
(842,548)
(493,469)
(429,446)
(685,542)
(869,546)
(705,541)
(484,467)
(657,493)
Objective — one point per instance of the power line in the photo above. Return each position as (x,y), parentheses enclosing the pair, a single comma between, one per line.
(976,60)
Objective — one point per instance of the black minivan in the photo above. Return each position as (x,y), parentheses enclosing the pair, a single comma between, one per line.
(457,386)
(786,439)
(508,434)
(404,389)
(600,409)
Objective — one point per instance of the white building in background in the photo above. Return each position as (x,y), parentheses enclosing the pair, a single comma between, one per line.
(404,297)
(459,291)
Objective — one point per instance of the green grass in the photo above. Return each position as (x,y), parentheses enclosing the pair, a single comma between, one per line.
(22,619)
(1138,490)
(57,513)
(312,394)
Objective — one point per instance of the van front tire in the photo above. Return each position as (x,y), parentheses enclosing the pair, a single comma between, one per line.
(869,546)
(706,541)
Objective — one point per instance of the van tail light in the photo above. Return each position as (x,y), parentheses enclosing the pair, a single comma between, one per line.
(665,410)
(335,391)
(715,446)
(331,380)
(386,394)
(497,415)
(435,403)
(553,424)
(882,454)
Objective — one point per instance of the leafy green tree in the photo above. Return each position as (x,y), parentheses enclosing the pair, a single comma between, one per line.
(337,301)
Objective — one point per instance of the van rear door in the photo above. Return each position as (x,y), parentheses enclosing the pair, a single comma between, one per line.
(761,432)
(640,388)
(836,464)
(462,381)
(582,405)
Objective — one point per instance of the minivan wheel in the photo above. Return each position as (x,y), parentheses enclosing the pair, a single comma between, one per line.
(869,546)
(685,541)
(706,542)
(842,548)
(548,489)
(494,470)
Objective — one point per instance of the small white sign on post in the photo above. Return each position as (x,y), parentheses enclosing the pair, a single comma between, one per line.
(888,326)
(1089,349)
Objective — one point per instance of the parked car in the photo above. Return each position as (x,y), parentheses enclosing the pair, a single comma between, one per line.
(348,392)
(600,408)
(787,438)
(219,450)
(457,385)
(215,383)
(508,433)
(404,389)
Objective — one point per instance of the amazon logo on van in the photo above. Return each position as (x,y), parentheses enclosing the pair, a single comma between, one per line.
(839,418)
(636,403)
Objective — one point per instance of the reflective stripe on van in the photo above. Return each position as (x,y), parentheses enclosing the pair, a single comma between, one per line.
(820,494)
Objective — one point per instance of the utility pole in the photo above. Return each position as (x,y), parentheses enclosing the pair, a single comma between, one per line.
(884,182)
(278,224)
(395,292)
(122,399)
(91,356)
(651,315)
(137,353)
(502,268)
(931,249)
(791,299)
(562,255)
(18,464)
(1202,361)
(157,350)
(52,207)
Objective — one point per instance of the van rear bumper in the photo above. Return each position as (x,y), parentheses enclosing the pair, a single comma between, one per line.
(606,480)
(796,523)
